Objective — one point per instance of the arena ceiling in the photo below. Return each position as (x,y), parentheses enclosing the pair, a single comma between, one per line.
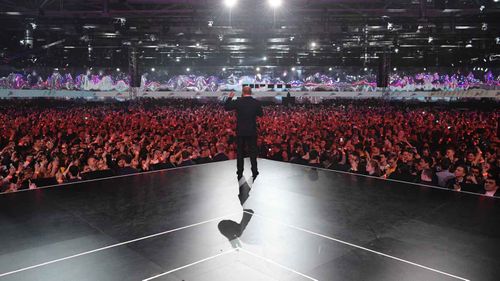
(206,32)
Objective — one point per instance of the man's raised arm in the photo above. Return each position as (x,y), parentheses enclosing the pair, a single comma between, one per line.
(230,104)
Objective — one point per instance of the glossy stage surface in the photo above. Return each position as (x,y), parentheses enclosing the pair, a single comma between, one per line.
(296,223)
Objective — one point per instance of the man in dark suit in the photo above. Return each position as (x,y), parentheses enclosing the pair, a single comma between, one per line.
(247,110)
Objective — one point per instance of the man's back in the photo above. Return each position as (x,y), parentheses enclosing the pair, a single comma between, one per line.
(247,110)
(443,177)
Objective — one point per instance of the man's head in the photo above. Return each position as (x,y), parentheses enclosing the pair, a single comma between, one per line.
(122,161)
(460,171)
(205,152)
(382,158)
(185,155)
(247,91)
(407,155)
(425,163)
(221,148)
(450,153)
(470,156)
(491,183)
(375,151)
(73,171)
(372,167)
(392,161)
(92,162)
(445,164)
(313,156)
(475,171)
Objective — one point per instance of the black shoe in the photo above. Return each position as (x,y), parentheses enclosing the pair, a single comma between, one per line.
(254,176)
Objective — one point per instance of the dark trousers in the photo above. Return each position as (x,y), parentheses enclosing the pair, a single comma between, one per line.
(251,142)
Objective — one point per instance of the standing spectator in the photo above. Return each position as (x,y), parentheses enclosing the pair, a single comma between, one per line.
(444,175)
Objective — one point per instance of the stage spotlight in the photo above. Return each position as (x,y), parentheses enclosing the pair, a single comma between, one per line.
(153,69)
(223,69)
(313,44)
(396,50)
(188,69)
(118,70)
(230,3)
(197,44)
(395,69)
(293,68)
(430,39)
(330,69)
(365,69)
(284,74)
(258,69)
(264,58)
(275,3)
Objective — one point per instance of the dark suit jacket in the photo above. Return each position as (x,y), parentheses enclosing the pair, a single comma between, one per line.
(247,110)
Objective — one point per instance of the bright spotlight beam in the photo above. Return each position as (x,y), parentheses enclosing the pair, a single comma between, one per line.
(230,3)
(275,3)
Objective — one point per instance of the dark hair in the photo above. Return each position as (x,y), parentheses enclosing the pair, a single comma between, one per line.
(461,166)
(73,170)
(376,167)
(445,164)
(313,155)
(409,150)
(123,157)
(493,176)
(428,160)
(185,154)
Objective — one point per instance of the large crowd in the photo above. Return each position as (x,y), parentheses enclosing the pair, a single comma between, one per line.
(45,142)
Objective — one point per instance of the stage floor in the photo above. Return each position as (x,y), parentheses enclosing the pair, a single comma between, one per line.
(298,223)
